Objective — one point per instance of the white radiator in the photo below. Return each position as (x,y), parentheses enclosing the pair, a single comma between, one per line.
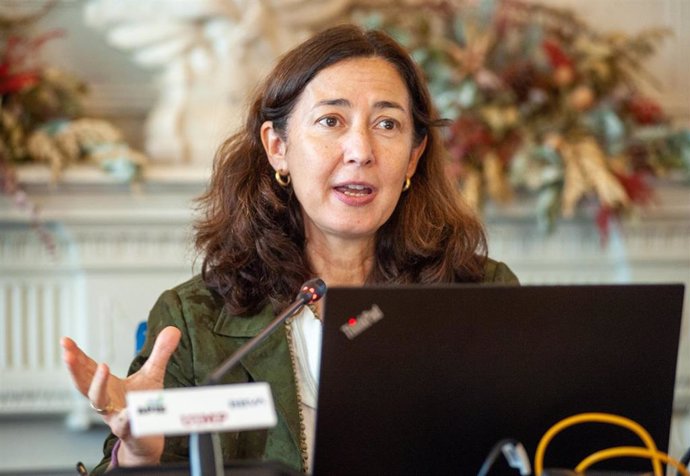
(115,251)
(34,313)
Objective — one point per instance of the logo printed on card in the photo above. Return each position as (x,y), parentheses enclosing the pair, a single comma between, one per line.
(154,405)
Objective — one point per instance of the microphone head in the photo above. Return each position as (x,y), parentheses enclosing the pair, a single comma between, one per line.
(312,290)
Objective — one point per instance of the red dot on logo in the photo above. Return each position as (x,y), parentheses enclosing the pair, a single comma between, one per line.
(351,321)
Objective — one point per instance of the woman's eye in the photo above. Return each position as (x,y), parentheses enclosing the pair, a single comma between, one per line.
(388,124)
(329,121)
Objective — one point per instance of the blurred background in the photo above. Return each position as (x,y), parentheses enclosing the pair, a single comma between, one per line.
(569,135)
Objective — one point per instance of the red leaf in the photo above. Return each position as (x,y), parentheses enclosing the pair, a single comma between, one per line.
(557,56)
(645,110)
(603,220)
(636,188)
(19,49)
(18,82)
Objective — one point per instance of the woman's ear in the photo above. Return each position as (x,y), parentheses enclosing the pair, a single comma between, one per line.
(417,152)
(275,147)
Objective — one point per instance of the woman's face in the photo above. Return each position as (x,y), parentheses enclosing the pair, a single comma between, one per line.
(349,147)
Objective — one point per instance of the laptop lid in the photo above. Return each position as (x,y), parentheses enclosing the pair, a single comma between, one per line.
(427,379)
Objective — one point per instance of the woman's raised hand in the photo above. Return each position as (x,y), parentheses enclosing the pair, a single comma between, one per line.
(106,392)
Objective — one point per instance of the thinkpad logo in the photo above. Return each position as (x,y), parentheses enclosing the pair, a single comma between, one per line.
(356,325)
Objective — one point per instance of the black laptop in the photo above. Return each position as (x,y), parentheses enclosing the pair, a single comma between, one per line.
(426,380)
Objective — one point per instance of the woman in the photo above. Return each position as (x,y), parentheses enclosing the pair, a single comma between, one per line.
(337,173)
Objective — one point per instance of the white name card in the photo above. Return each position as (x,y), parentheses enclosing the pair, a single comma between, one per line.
(176,411)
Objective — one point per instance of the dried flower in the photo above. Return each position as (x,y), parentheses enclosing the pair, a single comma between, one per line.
(41,115)
(540,100)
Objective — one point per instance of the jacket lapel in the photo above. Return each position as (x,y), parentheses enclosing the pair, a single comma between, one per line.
(268,362)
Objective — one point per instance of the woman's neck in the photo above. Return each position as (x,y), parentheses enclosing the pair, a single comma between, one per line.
(341,264)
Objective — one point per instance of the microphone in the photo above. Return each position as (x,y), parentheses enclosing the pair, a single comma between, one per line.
(204,448)
(310,292)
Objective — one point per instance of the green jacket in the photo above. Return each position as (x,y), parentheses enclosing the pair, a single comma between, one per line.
(209,336)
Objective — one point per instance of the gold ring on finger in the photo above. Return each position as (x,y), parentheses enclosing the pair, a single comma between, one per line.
(102,411)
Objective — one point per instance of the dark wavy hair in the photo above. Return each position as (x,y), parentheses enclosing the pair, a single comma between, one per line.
(251,232)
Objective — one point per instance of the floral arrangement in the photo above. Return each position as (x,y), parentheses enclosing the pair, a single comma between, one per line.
(41,117)
(41,120)
(539,101)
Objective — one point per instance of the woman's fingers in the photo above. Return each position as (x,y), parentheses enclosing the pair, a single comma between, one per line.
(98,391)
(81,367)
(135,451)
(163,348)
(106,393)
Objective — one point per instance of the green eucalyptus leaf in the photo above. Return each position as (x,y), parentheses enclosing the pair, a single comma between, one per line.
(467,94)
(547,206)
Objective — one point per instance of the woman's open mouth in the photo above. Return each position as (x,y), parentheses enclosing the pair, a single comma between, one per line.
(355,194)
(354,190)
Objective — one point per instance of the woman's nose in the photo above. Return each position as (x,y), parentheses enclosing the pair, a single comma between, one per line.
(358,147)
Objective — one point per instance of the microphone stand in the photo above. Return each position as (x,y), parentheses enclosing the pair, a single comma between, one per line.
(205,457)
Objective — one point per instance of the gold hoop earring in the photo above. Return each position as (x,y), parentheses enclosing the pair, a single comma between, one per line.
(407,184)
(283,181)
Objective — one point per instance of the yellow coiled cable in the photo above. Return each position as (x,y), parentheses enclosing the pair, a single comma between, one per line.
(653,453)
(635,451)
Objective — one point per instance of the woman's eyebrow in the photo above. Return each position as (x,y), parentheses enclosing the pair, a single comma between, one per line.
(388,105)
(347,103)
(333,102)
